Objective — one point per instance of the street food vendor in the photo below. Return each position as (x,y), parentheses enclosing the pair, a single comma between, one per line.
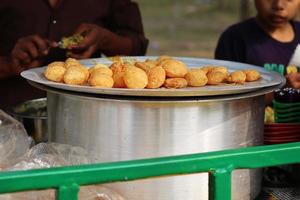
(30,31)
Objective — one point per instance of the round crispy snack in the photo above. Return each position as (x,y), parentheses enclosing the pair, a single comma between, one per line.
(207,69)
(156,77)
(135,78)
(98,79)
(56,63)
(220,69)
(117,67)
(74,76)
(251,75)
(101,68)
(160,59)
(174,68)
(237,77)
(71,62)
(175,83)
(55,71)
(143,66)
(196,78)
(215,77)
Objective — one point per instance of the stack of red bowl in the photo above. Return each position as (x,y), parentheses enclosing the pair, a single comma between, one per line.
(278,133)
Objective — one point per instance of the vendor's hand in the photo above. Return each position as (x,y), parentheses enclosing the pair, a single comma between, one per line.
(95,38)
(293,80)
(28,52)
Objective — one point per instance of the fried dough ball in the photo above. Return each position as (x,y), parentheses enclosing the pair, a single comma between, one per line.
(175,83)
(143,66)
(156,77)
(151,63)
(237,77)
(196,78)
(221,69)
(55,71)
(160,59)
(56,63)
(117,67)
(98,79)
(207,69)
(174,68)
(84,70)
(118,70)
(74,76)
(101,68)
(251,75)
(129,64)
(135,78)
(119,80)
(71,62)
(215,77)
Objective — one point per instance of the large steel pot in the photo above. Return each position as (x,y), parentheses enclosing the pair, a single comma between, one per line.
(115,128)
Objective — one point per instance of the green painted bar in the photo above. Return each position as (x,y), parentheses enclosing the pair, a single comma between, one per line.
(251,157)
(68,192)
(220,184)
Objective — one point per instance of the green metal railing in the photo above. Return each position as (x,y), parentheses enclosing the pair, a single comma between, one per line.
(67,180)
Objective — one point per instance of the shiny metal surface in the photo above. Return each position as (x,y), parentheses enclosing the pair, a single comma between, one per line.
(124,128)
(33,115)
(268,79)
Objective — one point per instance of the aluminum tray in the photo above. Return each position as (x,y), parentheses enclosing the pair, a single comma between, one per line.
(268,79)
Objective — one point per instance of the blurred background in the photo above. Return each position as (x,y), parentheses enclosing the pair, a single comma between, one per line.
(190,27)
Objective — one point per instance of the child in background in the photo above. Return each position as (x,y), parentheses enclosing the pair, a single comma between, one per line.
(268,40)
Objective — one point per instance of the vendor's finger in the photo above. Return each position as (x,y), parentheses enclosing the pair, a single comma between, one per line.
(40,43)
(22,56)
(85,54)
(31,49)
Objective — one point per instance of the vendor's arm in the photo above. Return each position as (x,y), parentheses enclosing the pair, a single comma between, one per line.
(27,53)
(121,34)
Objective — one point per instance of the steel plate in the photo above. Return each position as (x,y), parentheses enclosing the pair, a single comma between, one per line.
(268,79)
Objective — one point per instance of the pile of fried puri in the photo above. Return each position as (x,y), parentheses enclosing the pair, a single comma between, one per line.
(162,72)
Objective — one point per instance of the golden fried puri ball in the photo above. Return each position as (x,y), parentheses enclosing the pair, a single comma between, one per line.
(117,67)
(55,71)
(251,75)
(156,77)
(57,63)
(143,66)
(98,79)
(84,70)
(71,62)
(128,64)
(74,76)
(207,69)
(175,83)
(151,63)
(160,59)
(237,77)
(215,77)
(174,68)
(119,80)
(135,78)
(118,70)
(196,77)
(101,68)
(220,69)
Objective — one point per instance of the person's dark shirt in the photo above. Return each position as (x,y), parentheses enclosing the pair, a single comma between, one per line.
(247,42)
(28,17)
